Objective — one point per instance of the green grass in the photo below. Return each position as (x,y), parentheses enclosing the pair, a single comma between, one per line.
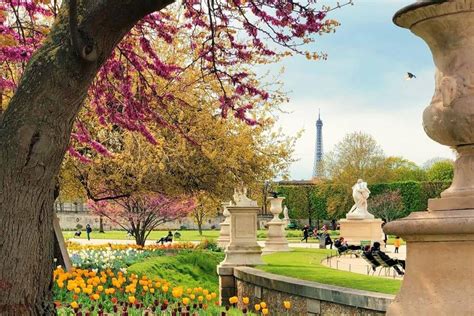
(193,235)
(186,235)
(306,264)
(187,268)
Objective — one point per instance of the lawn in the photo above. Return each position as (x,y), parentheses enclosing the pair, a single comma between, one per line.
(306,264)
(193,235)
(190,268)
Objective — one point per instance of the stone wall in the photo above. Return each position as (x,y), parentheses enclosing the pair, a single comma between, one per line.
(307,298)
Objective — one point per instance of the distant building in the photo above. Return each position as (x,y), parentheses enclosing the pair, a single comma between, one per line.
(318,154)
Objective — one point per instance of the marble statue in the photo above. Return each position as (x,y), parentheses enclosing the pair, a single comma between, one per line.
(241,199)
(360,193)
(286,218)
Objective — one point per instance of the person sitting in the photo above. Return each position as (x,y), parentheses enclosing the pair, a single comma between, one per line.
(315,233)
(391,262)
(77,233)
(167,238)
(367,255)
(342,246)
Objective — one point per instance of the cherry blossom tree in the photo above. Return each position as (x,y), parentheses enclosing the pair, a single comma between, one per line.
(55,55)
(140,214)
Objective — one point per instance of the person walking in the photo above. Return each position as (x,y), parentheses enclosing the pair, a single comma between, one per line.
(88,231)
(305,233)
(327,240)
(397,242)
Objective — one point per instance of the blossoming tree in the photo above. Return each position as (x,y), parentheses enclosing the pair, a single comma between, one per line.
(55,54)
(140,214)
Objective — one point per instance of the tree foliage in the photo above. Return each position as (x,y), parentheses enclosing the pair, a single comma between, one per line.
(387,206)
(326,200)
(141,213)
(57,54)
(441,171)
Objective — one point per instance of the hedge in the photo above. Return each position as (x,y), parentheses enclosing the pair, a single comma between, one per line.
(331,201)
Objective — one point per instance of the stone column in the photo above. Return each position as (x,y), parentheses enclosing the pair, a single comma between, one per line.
(243,249)
(224,234)
(276,240)
(439,278)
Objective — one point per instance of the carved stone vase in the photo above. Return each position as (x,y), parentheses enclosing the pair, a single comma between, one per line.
(439,277)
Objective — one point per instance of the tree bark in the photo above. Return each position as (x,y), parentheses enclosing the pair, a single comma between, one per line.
(101,225)
(34,136)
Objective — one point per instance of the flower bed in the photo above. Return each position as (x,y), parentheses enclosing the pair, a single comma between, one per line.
(88,292)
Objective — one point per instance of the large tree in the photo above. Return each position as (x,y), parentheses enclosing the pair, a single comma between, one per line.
(141,213)
(357,155)
(57,74)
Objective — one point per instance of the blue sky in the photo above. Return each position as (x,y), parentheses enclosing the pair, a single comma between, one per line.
(362,86)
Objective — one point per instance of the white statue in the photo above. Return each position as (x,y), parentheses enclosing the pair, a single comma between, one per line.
(241,199)
(360,193)
(285,214)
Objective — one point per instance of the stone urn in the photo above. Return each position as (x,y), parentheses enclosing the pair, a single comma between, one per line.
(440,242)
(276,240)
(276,207)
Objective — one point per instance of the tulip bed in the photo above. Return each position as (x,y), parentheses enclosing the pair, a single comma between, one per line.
(99,284)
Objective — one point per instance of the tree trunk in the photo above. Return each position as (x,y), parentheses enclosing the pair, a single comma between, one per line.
(101,225)
(34,135)
(140,238)
(200,228)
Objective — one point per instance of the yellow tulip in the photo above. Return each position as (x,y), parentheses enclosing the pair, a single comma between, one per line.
(74,304)
(165,288)
(200,298)
(152,290)
(265,311)
(208,297)
(131,299)
(257,307)
(214,295)
(245,300)
(145,288)
(100,288)
(263,304)
(192,296)
(287,304)
(233,300)
(95,296)
(205,292)
(77,290)
(185,301)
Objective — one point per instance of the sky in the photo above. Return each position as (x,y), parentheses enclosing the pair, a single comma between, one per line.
(362,87)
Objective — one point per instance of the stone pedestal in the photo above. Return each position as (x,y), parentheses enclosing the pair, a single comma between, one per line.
(439,278)
(243,249)
(276,240)
(224,234)
(356,230)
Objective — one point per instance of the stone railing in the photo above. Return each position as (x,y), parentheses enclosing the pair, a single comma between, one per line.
(307,298)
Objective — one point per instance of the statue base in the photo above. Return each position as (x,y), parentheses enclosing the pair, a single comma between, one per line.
(224,235)
(276,240)
(440,263)
(356,230)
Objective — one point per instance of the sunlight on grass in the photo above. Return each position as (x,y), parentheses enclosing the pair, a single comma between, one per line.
(306,264)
